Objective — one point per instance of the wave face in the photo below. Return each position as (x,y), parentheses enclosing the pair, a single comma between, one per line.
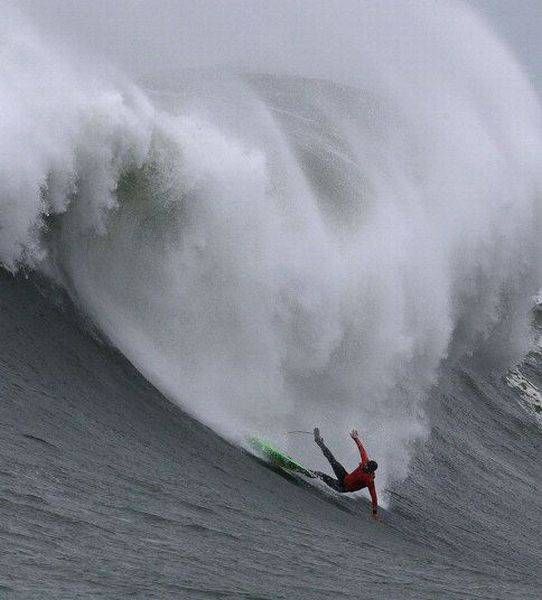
(102,489)
(296,248)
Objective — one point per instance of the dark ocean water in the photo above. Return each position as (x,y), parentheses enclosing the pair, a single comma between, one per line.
(109,491)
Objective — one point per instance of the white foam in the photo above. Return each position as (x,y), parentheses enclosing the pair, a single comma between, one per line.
(217,269)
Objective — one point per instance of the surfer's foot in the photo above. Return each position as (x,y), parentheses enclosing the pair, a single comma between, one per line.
(317,437)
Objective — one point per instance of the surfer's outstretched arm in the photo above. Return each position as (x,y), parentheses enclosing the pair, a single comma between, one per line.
(374,499)
(363,453)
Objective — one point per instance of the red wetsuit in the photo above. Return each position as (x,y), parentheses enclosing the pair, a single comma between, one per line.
(359,479)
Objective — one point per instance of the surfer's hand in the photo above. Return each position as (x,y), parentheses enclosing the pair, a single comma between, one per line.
(376,517)
(354,434)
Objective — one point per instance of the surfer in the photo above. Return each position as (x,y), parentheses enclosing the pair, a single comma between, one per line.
(361,477)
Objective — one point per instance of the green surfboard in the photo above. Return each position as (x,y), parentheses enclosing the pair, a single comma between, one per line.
(276,457)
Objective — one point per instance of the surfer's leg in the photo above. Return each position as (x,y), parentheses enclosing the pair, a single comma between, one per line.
(338,469)
(330,481)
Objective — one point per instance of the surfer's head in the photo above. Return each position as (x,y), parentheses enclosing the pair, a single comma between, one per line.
(371,466)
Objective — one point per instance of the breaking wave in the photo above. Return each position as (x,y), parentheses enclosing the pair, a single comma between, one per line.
(295,247)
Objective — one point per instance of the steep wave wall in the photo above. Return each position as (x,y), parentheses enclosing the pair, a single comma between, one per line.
(300,247)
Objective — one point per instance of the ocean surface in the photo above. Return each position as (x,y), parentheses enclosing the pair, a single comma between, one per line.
(343,237)
(110,491)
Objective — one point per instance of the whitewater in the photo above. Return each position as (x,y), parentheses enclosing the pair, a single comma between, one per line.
(201,253)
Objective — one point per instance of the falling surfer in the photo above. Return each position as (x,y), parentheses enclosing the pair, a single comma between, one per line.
(361,477)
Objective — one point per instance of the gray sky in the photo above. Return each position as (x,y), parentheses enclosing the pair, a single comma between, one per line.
(519,22)
(144,36)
